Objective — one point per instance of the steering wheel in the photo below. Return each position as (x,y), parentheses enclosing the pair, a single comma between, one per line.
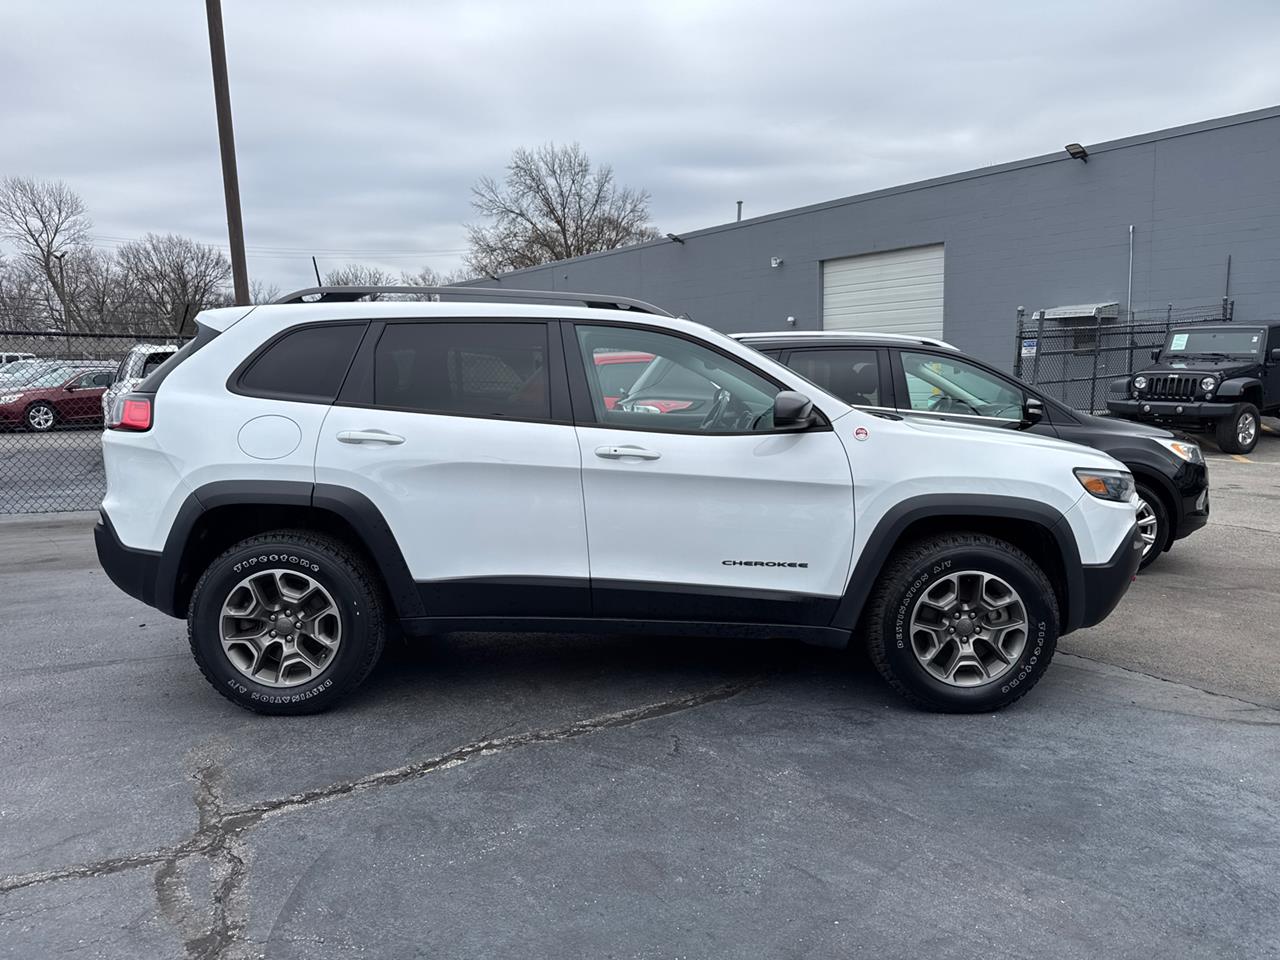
(944,404)
(719,404)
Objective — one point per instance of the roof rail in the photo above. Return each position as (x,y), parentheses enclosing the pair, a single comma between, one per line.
(597,300)
(840,334)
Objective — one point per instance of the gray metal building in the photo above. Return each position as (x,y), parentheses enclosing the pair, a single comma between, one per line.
(958,255)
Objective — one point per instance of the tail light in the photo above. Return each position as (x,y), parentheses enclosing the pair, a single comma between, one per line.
(131,412)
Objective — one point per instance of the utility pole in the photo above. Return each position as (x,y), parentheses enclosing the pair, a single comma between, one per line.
(227,144)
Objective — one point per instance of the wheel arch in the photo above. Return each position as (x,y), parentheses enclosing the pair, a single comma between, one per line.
(1038,529)
(1244,389)
(220,514)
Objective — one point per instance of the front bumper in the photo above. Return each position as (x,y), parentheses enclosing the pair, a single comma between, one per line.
(1192,486)
(1168,410)
(133,571)
(1106,583)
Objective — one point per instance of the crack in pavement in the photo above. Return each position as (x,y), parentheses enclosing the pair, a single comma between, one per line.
(219,831)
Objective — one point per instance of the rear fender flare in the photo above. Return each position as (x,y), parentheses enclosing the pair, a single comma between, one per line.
(354,508)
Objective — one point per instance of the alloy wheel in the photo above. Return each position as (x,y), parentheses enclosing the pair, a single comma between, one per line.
(280,628)
(1148,526)
(40,417)
(1246,429)
(968,628)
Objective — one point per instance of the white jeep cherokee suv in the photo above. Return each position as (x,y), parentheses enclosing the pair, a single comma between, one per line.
(302,474)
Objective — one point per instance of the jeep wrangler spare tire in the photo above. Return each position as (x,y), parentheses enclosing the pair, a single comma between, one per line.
(286,623)
(962,623)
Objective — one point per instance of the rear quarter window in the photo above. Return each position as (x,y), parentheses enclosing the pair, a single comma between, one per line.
(306,363)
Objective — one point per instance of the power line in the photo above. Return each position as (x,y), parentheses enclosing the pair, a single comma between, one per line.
(110,242)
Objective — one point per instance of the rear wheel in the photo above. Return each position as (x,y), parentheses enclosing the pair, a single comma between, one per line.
(1238,433)
(41,417)
(1153,525)
(286,623)
(962,623)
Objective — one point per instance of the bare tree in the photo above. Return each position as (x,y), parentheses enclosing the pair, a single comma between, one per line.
(359,275)
(427,277)
(175,276)
(553,205)
(45,220)
(103,292)
(262,292)
(22,295)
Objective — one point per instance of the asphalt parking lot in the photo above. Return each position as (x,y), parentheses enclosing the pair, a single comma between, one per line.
(492,795)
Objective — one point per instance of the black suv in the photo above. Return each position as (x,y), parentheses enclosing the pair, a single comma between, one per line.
(1219,378)
(897,375)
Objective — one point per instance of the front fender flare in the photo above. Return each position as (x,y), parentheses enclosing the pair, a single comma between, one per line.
(1237,387)
(888,531)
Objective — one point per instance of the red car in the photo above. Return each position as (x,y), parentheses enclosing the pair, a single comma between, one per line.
(70,394)
(619,371)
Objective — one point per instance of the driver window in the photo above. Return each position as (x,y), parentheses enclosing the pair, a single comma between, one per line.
(942,385)
(640,378)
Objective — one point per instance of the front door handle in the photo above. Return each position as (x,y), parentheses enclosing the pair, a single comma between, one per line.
(620,453)
(368,436)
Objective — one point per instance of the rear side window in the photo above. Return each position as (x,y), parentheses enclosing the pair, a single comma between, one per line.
(477,369)
(153,362)
(306,364)
(852,375)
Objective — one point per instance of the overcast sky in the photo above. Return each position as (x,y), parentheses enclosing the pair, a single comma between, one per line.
(362,124)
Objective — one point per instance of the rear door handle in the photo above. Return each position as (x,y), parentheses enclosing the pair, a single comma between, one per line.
(368,436)
(619,453)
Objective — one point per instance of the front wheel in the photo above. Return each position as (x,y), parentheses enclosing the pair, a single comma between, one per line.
(286,623)
(41,417)
(1238,433)
(1153,525)
(962,623)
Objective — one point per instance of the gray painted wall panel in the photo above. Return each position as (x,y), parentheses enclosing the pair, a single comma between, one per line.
(1037,233)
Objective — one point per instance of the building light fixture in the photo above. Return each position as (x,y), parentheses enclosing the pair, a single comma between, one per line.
(1077,152)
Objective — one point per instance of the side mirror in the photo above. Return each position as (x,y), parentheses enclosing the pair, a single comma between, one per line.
(1275,354)
(1032,411)
(792,411)
(1155,354)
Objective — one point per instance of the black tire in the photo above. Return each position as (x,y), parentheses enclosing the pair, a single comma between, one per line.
(1161,514)
(40,417)
(332,565)
(909,574)
(1228,429)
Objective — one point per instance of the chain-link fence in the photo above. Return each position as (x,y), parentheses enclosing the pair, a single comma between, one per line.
(1074,359)
(53,387)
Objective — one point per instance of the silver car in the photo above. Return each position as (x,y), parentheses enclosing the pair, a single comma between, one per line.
(134,368)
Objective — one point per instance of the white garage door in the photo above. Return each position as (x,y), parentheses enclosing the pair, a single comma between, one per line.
(899,291)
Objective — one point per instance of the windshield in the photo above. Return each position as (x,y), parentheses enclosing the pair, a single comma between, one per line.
(1219,342)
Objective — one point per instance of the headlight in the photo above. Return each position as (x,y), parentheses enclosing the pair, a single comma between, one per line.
(1187,451)
(1208,383)
(1107,484)
(1139,382)
(11,398)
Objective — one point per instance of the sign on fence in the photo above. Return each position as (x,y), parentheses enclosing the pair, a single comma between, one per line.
(1029,347)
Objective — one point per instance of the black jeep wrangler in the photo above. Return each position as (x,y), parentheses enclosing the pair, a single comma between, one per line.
(1218,377)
